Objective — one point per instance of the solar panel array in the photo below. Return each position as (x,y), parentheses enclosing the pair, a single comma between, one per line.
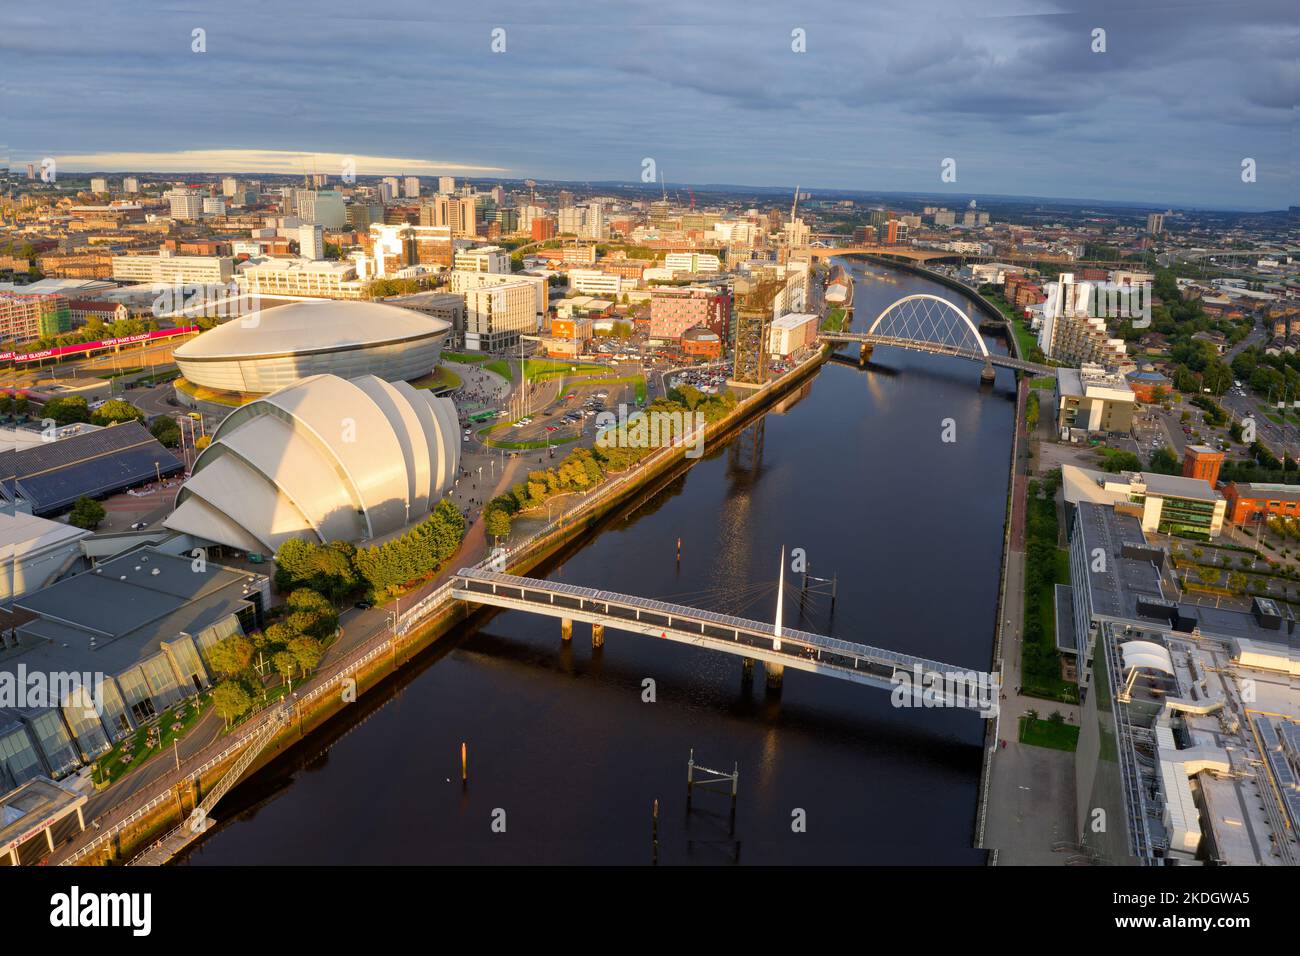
(53,475)
(1282,748)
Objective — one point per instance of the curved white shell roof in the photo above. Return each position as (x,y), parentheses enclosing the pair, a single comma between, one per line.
(324,459)
(303,327)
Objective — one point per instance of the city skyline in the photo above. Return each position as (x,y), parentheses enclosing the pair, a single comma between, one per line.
(1019,100)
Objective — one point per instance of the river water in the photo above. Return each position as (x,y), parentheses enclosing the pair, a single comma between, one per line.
(568,756)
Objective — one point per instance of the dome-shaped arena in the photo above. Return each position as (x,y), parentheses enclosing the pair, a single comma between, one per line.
(324,459)
(275,347)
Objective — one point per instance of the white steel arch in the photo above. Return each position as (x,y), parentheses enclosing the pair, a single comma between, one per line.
(933,319)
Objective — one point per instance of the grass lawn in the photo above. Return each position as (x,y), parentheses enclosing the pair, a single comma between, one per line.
(1043,733)
(537,370)
(464,358)
(638,379)
(1046,565)
(520,445)
(442,377)
(1047,381)
(834,321)
(131,752)
(502,368)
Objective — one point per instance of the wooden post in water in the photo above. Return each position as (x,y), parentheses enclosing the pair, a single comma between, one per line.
(679,550)
(464,764)
(654,835)
(735,782)
(690,779)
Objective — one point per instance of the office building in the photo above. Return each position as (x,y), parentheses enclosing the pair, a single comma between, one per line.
(693,262)
(595,282)
(482,259)
(172,269)
(1168,504)
(462,282)
(791,333)
(1187,747)
(324,208)
(1252,502)
(301,277)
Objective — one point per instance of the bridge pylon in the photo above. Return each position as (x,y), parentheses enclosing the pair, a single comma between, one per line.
(864,353)
(987,373)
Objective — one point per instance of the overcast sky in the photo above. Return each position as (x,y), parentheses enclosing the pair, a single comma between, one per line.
(712,91)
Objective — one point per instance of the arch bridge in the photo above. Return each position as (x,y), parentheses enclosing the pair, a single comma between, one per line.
(929,323)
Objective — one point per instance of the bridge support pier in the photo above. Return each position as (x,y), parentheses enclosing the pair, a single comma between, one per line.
(747,670)
(597,635)
(775,675)
(566,629)
(864,353)
(987,374)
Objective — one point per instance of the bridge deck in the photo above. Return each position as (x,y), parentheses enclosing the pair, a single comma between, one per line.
(937,348)
(803,650)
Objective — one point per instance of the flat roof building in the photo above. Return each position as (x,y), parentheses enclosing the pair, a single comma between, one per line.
(1093,400)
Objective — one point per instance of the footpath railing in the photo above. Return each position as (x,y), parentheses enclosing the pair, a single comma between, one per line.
(384,640)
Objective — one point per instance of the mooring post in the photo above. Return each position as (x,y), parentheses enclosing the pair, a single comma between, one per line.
(654,834)
(835,585)
(679,550)
(690,778)
(566,629)
(597,635)
(464,764)
(735,782)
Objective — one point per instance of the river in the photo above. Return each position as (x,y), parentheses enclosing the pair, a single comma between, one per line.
(566,754)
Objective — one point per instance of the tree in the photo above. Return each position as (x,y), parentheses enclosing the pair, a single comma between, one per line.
(307,652)
(86,513)
(231,700)
(1237,582)
(67,411)
(285,663)
(496,522)
(1121,461)
(231,655)
(165,429)
(1164,462)
(116,410)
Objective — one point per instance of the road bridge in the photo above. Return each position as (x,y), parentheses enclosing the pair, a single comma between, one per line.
(930,323)
(928,683)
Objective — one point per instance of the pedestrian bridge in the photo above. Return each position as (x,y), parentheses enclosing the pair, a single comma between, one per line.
(929,683)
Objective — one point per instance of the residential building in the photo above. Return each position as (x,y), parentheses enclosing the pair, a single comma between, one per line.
(1092,400)
(411,187)
(693,262)
(674,310)
(27,317)
(495,316)
(311,241)
(301,277)
(790,333)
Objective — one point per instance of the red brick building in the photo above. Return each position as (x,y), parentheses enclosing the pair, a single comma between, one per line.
(1202,461)
(1251,501)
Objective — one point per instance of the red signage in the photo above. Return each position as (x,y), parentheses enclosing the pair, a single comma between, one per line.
(91,346)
